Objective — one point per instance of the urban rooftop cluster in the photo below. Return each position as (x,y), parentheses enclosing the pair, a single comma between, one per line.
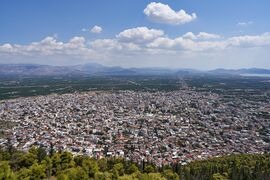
(159,127)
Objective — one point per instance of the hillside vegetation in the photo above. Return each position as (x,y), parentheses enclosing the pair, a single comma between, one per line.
(37,164)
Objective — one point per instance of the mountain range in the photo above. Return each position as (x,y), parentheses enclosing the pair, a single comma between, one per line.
(98,69)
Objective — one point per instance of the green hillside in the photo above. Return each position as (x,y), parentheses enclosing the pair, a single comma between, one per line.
(37,164)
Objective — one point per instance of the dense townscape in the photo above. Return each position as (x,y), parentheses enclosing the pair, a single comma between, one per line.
(158,127)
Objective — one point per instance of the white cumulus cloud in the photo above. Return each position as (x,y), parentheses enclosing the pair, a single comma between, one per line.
(249,41)
(200,35)
(204,35)
(139,35)
(139,46)
(189,35)
(162,13)
(96,29)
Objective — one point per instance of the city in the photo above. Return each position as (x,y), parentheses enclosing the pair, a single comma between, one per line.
(134,90)
(162,127)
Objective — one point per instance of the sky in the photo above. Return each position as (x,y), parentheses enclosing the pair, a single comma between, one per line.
(197,34)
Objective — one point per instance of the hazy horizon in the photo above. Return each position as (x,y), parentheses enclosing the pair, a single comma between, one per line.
(133,67)
(164,34)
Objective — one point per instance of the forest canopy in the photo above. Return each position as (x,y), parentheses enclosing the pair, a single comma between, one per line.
(38,164)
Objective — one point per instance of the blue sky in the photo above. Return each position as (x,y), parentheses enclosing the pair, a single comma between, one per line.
(224,33)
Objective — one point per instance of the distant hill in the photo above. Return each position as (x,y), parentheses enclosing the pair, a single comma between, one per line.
(98,69)
(32,69)
(85,69)
(240,71)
